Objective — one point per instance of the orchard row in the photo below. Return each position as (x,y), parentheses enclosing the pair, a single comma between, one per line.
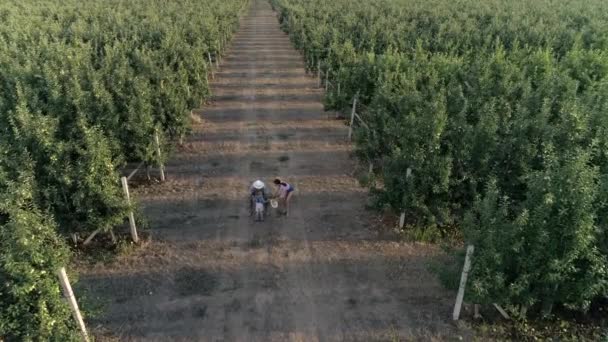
(489,121)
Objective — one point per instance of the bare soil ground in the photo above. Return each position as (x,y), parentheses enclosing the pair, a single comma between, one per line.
(212,274)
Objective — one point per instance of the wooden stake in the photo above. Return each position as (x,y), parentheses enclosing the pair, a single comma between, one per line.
(319,73)
(352,118)
(210,65)
(463,282)
(523,311)
(112,236)
(408,174)
(162,167)
(69,295)
(90,238)
(217,55)
(125,188)
(476,314)
(503,313)
(134,171)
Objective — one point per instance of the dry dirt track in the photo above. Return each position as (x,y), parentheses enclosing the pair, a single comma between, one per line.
(211,274)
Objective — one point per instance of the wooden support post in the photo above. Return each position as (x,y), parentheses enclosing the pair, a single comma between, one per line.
(352,119)
(135,171)
(463,282)
(125,188)
(338,88)
(408,174)
(112,236)
(502,312)
(402,220)
(476,313)
(90,238)
(307,60)
(523,311)
(69,296)
(319,73)
(327,81)
(158,154)
(210,65)
(217,55)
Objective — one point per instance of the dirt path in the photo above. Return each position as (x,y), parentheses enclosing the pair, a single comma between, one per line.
(211,274)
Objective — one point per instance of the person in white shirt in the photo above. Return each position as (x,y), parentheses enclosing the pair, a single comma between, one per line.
(257,189)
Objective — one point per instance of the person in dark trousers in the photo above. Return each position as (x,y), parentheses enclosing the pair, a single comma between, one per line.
(284,193)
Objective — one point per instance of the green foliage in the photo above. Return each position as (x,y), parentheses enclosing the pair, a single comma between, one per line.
(83,87)
(31,304)
(499,110)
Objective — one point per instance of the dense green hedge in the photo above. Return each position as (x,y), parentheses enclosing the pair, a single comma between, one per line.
(83,87)
(85,84)
(500,109)
(31,303)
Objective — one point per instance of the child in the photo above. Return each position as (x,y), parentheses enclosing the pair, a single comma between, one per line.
(260,202)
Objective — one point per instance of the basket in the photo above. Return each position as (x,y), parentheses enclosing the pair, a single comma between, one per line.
(274,203)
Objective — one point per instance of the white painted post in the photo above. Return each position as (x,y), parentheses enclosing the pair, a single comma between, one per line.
(463,282)
(125,188)
(162,167)
(69,296)
(352,118)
